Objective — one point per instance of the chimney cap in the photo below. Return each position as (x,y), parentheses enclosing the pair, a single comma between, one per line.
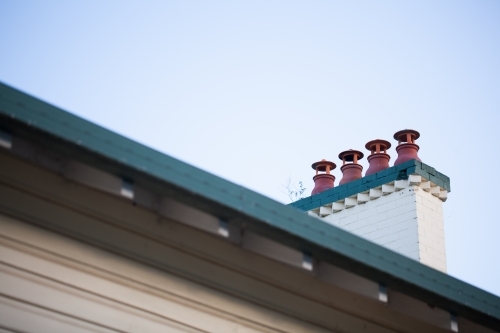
(348,155)
(321,165)
(370,145)
(401,135)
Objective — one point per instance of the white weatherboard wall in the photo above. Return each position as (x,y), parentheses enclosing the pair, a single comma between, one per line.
(83,259)
(408,221)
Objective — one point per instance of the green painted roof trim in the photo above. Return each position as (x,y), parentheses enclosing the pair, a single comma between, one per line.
(401,171)
(63,133)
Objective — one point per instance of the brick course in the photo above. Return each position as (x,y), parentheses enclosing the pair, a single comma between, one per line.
(408,221)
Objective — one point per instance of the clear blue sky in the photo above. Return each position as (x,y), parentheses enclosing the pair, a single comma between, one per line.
(255,91)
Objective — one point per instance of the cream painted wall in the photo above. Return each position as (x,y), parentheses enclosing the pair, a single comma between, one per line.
(73,258)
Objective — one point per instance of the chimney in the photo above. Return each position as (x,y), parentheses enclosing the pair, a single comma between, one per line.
(323,181)
(379,159)
(407,149)
(350,171)
(398,207)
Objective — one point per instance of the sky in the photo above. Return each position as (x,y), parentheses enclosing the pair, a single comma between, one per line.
(256,91)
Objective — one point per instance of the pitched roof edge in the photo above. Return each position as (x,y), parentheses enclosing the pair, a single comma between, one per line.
(22,115)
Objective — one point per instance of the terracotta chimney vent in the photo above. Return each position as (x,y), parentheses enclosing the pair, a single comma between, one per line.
(350,171)
(378,159)
(323,181)
(407,148)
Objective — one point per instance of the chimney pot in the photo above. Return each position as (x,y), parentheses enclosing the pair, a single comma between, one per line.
(323,181)
(350,171)
(407,148)
(378,159)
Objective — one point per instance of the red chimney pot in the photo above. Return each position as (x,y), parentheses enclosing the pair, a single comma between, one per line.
(379,159)
(323,181)
(407,148)
(350,171)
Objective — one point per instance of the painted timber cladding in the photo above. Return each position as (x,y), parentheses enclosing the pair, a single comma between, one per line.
(83,260)
(32,119)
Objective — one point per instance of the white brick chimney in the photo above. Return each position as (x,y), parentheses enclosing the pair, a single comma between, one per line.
(405,216)
(398,207)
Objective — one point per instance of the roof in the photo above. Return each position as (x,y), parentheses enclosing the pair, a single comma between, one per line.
(32,119)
